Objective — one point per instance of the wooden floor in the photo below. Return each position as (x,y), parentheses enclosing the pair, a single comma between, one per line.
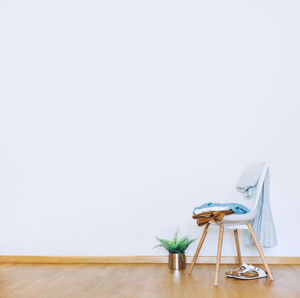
(139,280)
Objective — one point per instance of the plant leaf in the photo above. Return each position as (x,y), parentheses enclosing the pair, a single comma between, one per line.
(175,245)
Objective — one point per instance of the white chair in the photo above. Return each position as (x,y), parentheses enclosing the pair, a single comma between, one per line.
(235,222)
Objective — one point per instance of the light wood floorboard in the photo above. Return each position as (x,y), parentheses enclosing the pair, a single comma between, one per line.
(138,281)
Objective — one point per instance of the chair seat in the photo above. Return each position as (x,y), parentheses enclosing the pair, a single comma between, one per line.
(238,219)
(230,226)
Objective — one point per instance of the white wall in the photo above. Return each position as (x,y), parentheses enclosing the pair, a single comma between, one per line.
(118,117)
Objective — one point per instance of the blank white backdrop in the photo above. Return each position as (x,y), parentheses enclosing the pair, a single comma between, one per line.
(118,117)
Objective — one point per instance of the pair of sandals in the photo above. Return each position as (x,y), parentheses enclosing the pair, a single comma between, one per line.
(246,272)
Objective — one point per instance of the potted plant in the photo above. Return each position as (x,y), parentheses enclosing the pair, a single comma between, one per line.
(176,249)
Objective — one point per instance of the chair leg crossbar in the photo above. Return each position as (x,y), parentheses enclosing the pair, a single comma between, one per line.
(239,257)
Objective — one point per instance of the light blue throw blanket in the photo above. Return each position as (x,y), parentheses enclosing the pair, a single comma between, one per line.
(263,224)
(236,208)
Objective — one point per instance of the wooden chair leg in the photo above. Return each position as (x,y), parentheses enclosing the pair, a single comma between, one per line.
(221,232)
(260,251)
(199,247)
(238,249)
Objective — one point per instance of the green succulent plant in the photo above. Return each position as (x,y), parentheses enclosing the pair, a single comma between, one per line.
(176,245)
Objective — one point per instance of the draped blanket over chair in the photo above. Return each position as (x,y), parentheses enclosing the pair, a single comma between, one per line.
(262,224)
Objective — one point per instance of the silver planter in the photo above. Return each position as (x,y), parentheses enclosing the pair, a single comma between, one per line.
(176,261)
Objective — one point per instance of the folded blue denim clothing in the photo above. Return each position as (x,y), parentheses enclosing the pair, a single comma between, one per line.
(235,207)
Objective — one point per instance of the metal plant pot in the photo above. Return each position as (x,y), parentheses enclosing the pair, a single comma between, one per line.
(176,261)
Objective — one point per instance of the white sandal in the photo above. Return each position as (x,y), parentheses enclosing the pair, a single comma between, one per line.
(246,272)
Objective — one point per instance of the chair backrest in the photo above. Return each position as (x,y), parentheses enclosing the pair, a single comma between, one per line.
(236,197)
(259,187)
